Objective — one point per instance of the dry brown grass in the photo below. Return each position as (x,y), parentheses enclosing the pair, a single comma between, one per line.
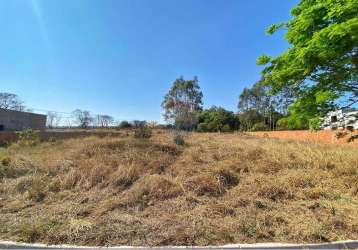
(216,189)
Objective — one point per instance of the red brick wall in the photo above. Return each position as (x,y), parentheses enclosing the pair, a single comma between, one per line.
(327,136)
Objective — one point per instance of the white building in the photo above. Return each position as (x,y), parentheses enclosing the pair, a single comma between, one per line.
(341,119)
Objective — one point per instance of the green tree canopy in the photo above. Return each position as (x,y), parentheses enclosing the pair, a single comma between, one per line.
(217,119)
(182,103)
(257,104)
(321,66)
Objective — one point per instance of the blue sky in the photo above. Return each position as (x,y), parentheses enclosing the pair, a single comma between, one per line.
(120,57)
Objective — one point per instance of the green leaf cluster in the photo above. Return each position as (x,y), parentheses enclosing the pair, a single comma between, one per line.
(321,64)
(217,119)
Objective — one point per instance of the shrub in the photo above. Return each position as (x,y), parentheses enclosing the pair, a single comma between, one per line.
(39,229)
(34,186)
(143,132)
(124,124)
(9,170)
(28,137)
(212,127)
(202,127)
(219,117)
(260,126)
(314,124)
(226,128)
(179,140)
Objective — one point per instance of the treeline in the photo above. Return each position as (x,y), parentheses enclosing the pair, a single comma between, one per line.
(257,109)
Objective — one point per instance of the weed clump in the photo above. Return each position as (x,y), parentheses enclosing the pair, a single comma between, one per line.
(28,137)
(33,186)
(226,177)
(43,228)
(179,140)
(143,132)
(275,191)
(10,169)
(150,189)
(205,185)
(125,176)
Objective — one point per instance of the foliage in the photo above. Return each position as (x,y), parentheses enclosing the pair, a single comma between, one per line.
(258,104)
(315,123)
(182,103)
(215,118)
(143,132)
(202,127)
(260,126)
(28,137)
(304,109)
(321,64)
(226,128)
(249,118)
(124,124)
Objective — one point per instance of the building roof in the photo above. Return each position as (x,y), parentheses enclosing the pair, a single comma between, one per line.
(23,112)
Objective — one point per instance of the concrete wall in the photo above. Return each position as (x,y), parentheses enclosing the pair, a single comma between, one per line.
(340,120)
(11,120)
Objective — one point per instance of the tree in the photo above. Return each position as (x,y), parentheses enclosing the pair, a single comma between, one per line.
(139,124)
(258,105)
(124,124)
(104,121)
(53,119)
(82,117)
(11,101)
(182,103)
(249,118)
(321,65)
(217,119)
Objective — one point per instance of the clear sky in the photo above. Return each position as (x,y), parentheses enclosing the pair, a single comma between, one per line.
(120,57)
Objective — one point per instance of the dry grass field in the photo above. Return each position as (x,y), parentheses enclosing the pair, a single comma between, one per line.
(216,189)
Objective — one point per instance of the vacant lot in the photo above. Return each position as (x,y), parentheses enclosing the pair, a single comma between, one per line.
(216,189)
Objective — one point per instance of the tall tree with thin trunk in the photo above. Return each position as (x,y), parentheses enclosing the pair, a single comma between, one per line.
(182,103)
(53,119)
(82,117)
